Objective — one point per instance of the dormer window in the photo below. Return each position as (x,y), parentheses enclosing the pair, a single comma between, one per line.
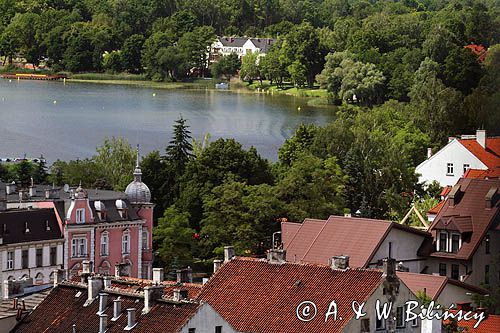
(443,242)
(80,215)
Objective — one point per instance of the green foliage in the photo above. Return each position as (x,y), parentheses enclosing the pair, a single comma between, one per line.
(131,53)
(180,148)
(40,171)
(295,146)
(250,69)
(226,66)
(173,237)
(112,61)
(23,171)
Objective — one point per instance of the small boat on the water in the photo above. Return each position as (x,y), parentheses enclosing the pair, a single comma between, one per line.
(222,85)
(31,76)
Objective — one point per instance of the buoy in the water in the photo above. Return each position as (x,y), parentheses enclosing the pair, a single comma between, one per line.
(10,80)
(55,102)
(298,108)
(154,94)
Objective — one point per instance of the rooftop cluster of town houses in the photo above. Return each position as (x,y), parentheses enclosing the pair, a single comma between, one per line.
(88,254)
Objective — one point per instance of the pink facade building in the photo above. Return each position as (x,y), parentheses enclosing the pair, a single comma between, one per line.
(110,231)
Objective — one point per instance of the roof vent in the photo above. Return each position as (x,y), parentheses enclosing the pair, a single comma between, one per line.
(47,226)
(228,253)
(117,309)
(103,323)
(26,229)
(217,264)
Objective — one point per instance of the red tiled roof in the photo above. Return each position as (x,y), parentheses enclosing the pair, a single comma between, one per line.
(257,296)
(434,284)
(435,210)
(490,155)
(478,50)
(489,325)
(445,191)
(470,203)
(483,174)
(61,309)
(288,231)
(316,241)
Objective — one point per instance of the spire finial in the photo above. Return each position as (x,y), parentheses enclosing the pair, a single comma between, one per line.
(137,158)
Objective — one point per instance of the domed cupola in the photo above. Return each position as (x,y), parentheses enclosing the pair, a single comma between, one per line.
(137,191)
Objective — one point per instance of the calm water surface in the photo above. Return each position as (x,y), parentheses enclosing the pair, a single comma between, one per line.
(84,114)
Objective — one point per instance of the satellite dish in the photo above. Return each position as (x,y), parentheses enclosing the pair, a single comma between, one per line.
(66,188)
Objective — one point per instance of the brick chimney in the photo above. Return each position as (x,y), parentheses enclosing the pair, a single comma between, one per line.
(185,275)
(481,137)
(95,285)
(490,197)
(180,295)
(339,262)
(151,294)
(122,270)
(107,281)
(276,256)
(130,319)
(117,309)
(58,276)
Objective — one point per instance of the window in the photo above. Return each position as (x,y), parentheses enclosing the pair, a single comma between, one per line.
(449,169)
(218,329)
(145,240)
(10,260)
(380,324)
(53,256)
(80,215)
(365,325)
(79,247)
(39,278)
(487,244)
(39,257)
(414,322)
(24,259)
(466,167)
(455,271)
(192,330)
(51,277)
(455,243)
(487,274)
(399,317)
(104,244)
(442,269)
(126,242)
(443,242)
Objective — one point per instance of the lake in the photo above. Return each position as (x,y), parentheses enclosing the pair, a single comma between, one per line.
(68,121)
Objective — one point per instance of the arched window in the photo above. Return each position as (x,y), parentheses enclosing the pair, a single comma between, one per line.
(145,239)
(105,268)
(24,277)
(39,278)
(10,278)
(126,242)
(104,244)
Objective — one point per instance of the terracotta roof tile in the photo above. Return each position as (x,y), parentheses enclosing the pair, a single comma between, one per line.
(490,155)
(257,296)
(470,204)
(489,325)
(433,284)
(61,309)
(437,208)
(483,174)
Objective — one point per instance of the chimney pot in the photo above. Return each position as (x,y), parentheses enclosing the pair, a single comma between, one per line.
(228,253)
(339,262)
(107,282)
(58,276)
(158,275)
(117,309)
(95,285)
(130,319)
(217,264)
(151,294)
(481,137)
(103,322)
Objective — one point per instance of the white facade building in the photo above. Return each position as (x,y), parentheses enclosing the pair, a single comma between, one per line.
(449,164)
(224,46)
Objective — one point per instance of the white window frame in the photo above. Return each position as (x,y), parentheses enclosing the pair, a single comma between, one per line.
(145,240)
(451,241)
(10,260)
(126,242)
(450,167)
(105,244)
(440,246)
(79,247)
(80,215)
(466,167)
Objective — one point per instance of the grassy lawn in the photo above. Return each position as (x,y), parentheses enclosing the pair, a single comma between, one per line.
(288,89)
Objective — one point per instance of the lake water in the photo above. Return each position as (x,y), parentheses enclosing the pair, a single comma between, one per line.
(70,121)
